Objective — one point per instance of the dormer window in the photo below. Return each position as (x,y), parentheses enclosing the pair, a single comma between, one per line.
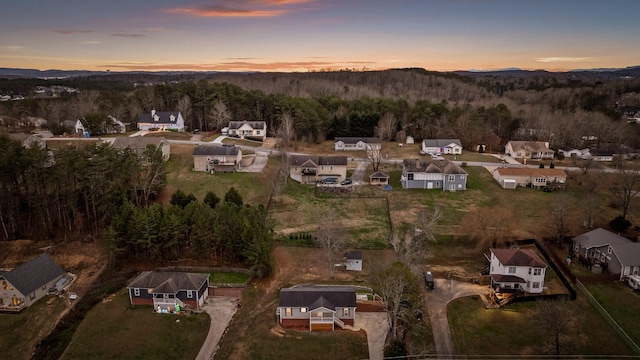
(172,118)
(156,118)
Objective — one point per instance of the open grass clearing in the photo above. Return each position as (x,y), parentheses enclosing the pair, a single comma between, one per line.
(115,330)
(512,331)
(170,135)
(243,142)
(20,333)
(228,278)
(622,303)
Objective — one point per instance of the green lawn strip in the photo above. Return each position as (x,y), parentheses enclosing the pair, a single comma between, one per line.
(115,330)
(250,336)
(18,332)
(243,142)
(512,330)
(228,278)
(622,303)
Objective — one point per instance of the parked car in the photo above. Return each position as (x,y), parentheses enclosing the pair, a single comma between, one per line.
(329,180)
(196,131)
(428,280)
(346,181)
(423,153)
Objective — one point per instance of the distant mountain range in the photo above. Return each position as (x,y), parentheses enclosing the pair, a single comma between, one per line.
(605,73)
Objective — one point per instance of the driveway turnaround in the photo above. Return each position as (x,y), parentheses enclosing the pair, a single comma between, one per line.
(376,325)
(437,299)
(220,309)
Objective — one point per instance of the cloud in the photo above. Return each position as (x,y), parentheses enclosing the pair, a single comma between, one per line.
(70,32)
(554,59)
(13,47)
(91,42)
(239,8)
(237,66)
(129,35)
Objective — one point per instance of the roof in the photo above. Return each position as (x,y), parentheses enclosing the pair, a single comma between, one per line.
(353,255)
(137,142)
(379,175)
(627,251)
(535,172)
(535,146)
(33,274)
(254,124)
(355,140)
(518,257)
(440,166)
(168,282)
(19,136)
(164,117)
(205,150)
(315,160)
(507,278)
(314,296)
(440,143)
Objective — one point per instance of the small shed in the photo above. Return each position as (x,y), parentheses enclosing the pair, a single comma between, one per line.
(410,140)
(379,178)
(353,260)
(509,184)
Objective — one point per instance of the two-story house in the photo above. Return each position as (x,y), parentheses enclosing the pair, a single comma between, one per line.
(161,120)
(528,150)
(317,307)
(516,270)
(254,130)
(212,158)
(309,169)
(432,174)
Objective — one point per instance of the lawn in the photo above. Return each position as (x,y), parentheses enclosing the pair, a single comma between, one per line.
(228,278)
(511,331)
(115,330)
(19,333)
(622,303)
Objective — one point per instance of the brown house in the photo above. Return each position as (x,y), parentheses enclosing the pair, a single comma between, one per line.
(213,158)
(309,169)
(510,178)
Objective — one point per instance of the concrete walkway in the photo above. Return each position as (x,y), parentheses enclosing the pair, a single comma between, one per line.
(376,325)
(220,309)
(437,299)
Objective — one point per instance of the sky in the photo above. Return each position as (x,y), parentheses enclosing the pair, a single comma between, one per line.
(313,35)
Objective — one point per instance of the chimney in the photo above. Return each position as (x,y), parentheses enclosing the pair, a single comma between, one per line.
(153,112)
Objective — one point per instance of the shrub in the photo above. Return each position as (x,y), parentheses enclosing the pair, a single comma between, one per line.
(620,223)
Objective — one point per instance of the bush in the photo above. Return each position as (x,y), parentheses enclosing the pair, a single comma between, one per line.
(620,223)
(395,348)
(463,164)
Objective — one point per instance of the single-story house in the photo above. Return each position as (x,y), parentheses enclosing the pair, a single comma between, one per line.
(214,158)
(602,154)
(353,260)
(357,143)
(613,252)
(571,152)
(28,140)
(161,120)
(139,144)
(528,150)
(309,169)
(316,307)
(27,283)
(166,290)
(81,128)
(509,178)
(516,270)
(432,174)
(379,178)
(442,146)
(255,130)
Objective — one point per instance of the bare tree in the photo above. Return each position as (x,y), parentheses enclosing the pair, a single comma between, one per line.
(399,288)
(557,319)
(624,186)
(86,102)
(584,164)
(387,126)
(332,237)
(184,107)
(285,131)
(490,228)
(374,155)
(413,248)
(279,182)
(220,114)
(559,212)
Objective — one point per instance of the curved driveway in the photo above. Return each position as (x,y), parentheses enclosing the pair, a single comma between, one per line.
(437,299)
(220,309)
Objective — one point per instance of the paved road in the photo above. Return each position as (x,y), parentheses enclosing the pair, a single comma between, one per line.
(220,309)
(437,299)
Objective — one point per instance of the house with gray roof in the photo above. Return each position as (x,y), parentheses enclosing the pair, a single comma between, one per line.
(216,158)
(516,269)
(613,252)
(432,173)
(357,143)
(309,169)
(161,120)
(442,146)
(254,130)
(317,307)
(28,140)
(28,283)
(139,144)
(169,291)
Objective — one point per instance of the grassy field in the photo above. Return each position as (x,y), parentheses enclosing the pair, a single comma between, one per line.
(228,278)
(622,303)
(19,333)
(116,330)
(511,331)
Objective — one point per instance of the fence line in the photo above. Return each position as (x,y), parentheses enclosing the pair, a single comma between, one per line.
(625,337)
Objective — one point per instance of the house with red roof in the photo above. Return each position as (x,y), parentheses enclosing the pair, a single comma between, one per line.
(516,269)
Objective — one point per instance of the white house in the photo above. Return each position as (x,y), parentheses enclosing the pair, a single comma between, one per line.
(161,120)
(528,150)
(442,146)
(357,143)
(571,152)
(353,260)
(256,130)
(516,270)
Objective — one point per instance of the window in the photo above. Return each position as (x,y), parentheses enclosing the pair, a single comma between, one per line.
(537,271)
(529,271)
(303,310)
(136,292)
(577,248)
(409,176)
(345,312)
(32,296)
(536,285)
(512,269)
(528,284)
(288,311)
(189,294)
(603,257)
(452,178)
(609,250)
